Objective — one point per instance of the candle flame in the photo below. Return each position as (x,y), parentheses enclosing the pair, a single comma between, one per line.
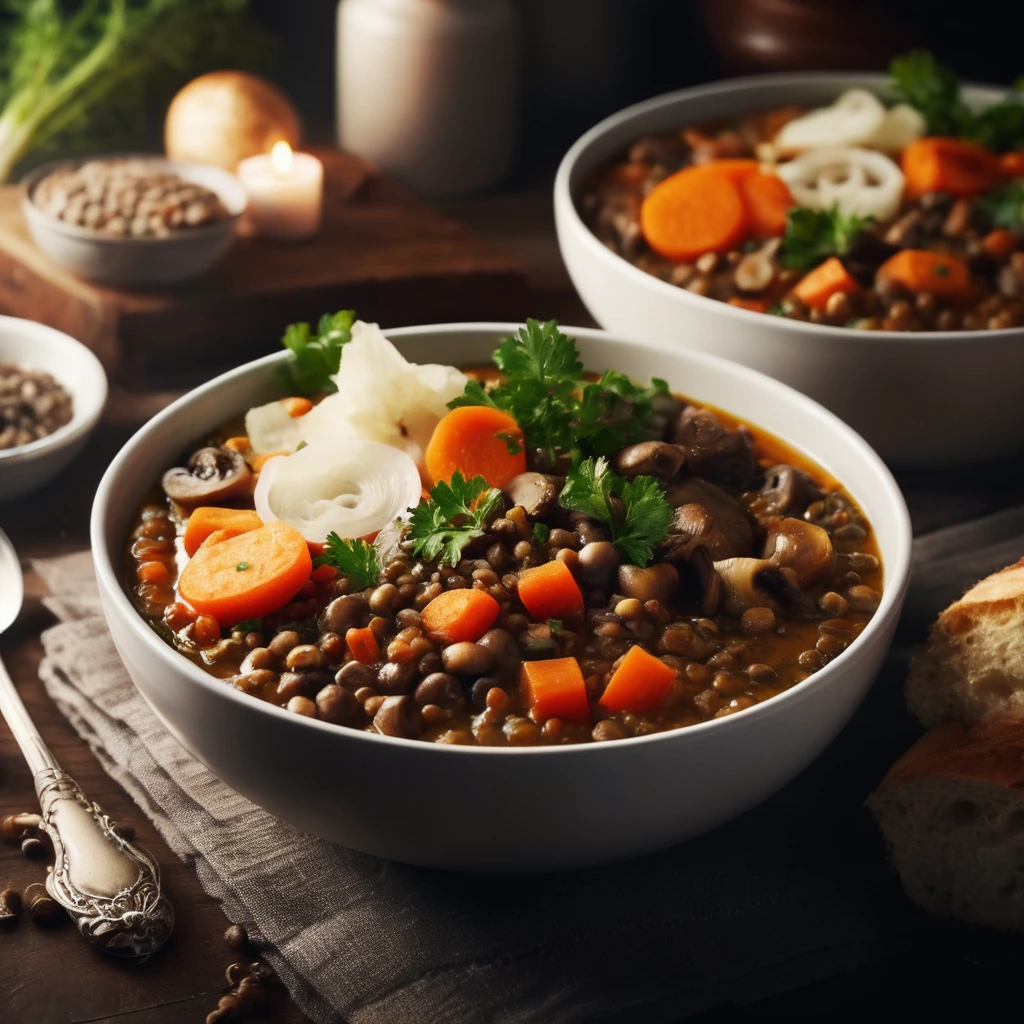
(281,157)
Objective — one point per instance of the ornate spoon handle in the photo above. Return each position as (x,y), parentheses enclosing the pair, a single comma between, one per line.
(109,886)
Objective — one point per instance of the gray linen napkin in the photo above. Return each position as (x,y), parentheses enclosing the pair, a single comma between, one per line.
(760,906)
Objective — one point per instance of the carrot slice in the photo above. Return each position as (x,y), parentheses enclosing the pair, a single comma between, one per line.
(238,444)
(475,440)
(555,689)
(458,615)
(259,461)
(735,170)
(999,243)
(817,287)
(297,406)
(754,305)
(549,591)
(640,684)
(246,576)
(768,202)
(949,165)
(1012,164)
(921,271)
(209,519)
(363,645)
(694,211)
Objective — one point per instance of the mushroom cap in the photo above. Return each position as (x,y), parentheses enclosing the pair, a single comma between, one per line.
(536,492)
(706,516)
(658,582)
(211,474)
(801,546)
(714,453)
(650,458)
(759,583)
(786,490)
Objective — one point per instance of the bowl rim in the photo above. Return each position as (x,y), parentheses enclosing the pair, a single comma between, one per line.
(897,569)
(82,419)
(228,181)
(565,204)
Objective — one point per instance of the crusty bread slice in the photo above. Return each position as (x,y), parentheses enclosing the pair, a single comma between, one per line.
(973,664)
(952,811)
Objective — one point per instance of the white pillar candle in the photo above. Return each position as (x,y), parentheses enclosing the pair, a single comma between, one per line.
(285,192)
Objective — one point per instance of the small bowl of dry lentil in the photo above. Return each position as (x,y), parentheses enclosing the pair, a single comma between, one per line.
(52,393)
(132,221)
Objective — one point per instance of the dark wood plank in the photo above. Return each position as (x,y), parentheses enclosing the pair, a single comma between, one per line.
(381,250)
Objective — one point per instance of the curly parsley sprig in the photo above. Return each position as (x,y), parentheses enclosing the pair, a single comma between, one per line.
(636,511)
(355,559)
(811,236)
(314,357)
(559,412)
(456,513)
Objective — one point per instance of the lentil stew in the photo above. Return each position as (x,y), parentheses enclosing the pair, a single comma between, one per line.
(692,572)
(854,215)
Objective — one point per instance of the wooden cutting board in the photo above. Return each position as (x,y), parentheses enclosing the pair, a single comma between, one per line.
(382,252)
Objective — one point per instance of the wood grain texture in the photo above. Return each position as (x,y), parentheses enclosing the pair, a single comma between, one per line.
(381,251)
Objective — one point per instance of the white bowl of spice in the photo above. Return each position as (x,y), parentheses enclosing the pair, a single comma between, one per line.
(52,393)
(135,220)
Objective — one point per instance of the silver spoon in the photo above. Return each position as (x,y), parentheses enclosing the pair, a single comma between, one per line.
(110,887)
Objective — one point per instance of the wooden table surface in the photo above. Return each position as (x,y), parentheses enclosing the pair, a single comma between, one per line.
(51,976)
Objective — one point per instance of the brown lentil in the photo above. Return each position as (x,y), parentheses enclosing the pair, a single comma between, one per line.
(32,405)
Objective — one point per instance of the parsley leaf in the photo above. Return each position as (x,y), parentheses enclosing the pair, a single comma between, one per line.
(558,411)
(355,559)
(455,514)
(636,511)
(1005,205)
(920,80)
(249,625)
(315,357)
(811,236)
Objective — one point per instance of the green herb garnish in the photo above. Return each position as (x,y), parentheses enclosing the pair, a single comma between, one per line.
(541,532)
(636,511)
(555,625)
(455,514)
(249,625)
(315,357)
(934,90)
(241,567)
(352,558)
(812,236)
(558,411)
(1005,205)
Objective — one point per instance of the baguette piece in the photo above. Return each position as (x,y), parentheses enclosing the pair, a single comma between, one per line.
(973,664)
(952,812)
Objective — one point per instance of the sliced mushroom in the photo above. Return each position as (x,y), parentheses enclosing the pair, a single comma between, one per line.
(759,583)
(757,269)
(706,516)
(651,458)
(536,492)
(803,547)
(658,582)
(714,453)
(211,474)
(597,563)
(786,491)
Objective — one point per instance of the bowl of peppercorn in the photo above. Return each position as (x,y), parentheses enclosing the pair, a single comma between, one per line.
(52,393)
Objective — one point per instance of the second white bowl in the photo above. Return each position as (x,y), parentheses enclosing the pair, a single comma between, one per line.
(918,398)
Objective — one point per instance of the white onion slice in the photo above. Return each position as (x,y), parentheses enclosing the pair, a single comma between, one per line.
(852,120)
(381,397)
(903,124)
(349,486)
(861,181)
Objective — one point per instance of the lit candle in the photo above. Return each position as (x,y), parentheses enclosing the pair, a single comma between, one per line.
(285,192)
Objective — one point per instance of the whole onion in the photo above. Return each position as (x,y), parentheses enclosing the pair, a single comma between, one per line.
(226,116)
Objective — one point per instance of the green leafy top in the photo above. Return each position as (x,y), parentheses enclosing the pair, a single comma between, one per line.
(811,236)
(1005,205)
(455,514)
(314,358)
(355,559)
(558,411)
(920,80)
(636,511)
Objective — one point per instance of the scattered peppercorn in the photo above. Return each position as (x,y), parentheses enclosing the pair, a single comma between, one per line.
(10,906)
(251,990)
(42,909)
(236,937)
(235,973)
(33,848)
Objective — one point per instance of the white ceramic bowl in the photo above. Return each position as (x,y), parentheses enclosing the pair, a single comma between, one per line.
(36,347)
(493,809)
(137,262)
(918,398)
